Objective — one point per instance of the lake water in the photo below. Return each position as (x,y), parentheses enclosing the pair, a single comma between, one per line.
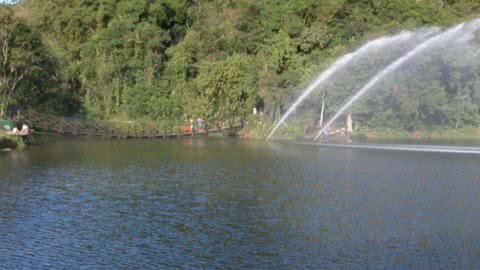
(233,204)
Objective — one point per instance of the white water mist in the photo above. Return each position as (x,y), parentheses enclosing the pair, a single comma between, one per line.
(338,65)
(346,60)
(447,35)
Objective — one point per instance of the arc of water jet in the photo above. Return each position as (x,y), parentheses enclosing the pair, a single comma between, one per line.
(337,65)
(392,67)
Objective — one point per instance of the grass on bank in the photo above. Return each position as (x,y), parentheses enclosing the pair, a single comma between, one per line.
(11,142)
(260,128)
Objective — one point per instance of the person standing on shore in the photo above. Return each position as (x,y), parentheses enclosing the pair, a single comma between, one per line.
(200,124)
(186,127)
(191,125)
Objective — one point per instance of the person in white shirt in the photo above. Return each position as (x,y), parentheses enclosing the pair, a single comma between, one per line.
(199,123)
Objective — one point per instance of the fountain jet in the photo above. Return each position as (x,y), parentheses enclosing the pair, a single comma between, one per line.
(446,35)
(338,65)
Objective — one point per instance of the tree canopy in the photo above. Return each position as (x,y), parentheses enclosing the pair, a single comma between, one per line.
(167,60)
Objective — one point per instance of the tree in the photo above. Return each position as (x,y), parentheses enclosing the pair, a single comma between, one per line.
(168,59)
(24,59)
(230,88)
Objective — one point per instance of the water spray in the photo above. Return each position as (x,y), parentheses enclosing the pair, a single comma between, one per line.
(337,66)
(446,35)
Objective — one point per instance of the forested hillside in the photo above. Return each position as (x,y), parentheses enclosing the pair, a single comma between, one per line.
(166,60)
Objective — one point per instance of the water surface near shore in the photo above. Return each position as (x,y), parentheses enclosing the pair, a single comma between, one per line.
(229,204)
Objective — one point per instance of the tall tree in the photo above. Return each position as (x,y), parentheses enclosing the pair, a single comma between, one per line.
(23,60)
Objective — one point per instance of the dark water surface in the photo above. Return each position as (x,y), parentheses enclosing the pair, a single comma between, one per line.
(231,204)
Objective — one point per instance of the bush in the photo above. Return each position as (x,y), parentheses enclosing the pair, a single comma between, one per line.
(12,142)
(259,128)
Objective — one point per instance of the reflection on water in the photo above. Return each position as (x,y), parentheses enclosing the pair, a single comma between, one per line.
(196,203)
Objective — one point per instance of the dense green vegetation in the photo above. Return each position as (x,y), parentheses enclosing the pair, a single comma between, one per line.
(166,60)
(11,142)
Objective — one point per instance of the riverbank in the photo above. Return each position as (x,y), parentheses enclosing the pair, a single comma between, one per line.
(256,127)
(9,143)
(259,128)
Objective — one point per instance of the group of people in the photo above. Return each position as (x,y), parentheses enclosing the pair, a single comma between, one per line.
(191,125)
(24,131)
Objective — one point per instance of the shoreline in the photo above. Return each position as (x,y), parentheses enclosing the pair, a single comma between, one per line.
(10,143)
(471,135)
(260,130)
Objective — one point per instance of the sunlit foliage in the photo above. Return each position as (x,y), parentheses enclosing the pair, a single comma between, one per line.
(167,60)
